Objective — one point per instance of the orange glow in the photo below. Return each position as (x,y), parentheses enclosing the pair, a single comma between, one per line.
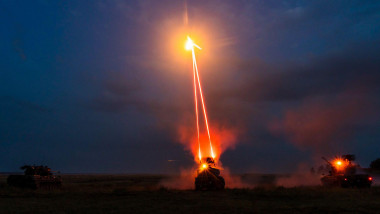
(204,166)
(340,164)
(222,138)
(190,46)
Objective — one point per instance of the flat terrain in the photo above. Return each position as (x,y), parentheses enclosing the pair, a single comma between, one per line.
(144,194)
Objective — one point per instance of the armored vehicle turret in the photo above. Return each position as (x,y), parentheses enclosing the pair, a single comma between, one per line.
(208,176)
(343,172)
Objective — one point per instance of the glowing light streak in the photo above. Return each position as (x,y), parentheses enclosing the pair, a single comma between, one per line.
(203,103)
(196,113)
(190,46)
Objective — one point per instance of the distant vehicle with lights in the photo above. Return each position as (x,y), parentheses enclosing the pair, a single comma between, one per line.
(343,172)
(208,176)
(35,177)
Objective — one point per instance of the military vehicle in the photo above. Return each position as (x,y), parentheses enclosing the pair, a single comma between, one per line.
(208,176)
(35,177)
(343,172)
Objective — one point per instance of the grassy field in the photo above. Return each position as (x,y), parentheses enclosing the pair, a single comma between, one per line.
(144,194)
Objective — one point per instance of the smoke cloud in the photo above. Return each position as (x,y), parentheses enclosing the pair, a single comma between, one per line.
(222,138)
(302,177)
(323,124)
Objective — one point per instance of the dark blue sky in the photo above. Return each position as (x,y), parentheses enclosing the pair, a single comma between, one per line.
(102,86)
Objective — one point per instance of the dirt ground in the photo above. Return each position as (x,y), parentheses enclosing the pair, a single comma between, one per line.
(145,194)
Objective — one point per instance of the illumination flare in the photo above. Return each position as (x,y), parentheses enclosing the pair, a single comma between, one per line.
(190,44)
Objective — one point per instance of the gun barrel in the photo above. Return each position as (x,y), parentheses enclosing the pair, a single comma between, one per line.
(326,160)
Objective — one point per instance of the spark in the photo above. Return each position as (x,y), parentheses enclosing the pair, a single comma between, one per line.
(190,46)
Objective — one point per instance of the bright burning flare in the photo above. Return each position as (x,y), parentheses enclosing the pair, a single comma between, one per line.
(190,46)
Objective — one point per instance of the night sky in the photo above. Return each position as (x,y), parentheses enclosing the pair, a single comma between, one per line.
(102,86)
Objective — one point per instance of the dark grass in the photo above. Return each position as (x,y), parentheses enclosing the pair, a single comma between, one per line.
(143,194)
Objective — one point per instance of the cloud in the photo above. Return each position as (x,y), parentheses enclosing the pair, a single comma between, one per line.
(244,91)
(284,66)
(253,79)
(325,124)
(257,81)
